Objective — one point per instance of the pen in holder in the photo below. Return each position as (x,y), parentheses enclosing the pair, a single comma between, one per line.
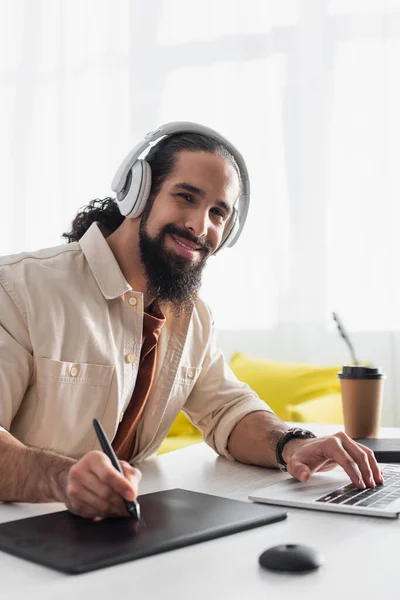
(346,338)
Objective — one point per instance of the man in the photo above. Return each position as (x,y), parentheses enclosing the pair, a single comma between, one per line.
(110,326)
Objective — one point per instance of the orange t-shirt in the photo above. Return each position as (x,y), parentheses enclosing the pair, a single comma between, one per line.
(123,442)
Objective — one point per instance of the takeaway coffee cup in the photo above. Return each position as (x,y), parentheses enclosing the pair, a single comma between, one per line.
(362,397)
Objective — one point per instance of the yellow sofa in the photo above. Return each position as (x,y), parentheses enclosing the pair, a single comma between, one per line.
(294,391)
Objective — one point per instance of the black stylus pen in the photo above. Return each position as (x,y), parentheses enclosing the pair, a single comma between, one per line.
(133,507)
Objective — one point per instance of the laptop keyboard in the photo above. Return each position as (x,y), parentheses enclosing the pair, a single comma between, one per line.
(378,497)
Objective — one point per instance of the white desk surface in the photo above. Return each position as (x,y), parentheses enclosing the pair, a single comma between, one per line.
(361,553)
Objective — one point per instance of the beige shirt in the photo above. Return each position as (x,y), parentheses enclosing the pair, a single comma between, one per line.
(70,340)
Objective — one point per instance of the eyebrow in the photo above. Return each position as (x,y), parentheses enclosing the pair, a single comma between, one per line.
(198,192)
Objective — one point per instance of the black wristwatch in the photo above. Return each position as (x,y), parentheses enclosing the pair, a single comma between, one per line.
(295,433)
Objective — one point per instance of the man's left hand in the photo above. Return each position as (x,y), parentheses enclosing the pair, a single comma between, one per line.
(304,457)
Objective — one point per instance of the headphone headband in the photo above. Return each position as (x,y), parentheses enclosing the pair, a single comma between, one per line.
(154,136)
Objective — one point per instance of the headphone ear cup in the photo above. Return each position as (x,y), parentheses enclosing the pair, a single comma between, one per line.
(132,198)
(143,192)
(230,233)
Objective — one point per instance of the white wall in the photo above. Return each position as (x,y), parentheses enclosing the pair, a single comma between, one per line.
(308,90)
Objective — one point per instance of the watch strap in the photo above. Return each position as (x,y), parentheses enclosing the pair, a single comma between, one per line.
(294,433)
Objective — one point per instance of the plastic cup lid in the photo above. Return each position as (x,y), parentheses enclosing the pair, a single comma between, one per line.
(360,372)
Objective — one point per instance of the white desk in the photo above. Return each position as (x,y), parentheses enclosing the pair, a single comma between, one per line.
(361,553)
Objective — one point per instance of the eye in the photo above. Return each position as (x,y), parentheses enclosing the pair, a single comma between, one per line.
(187,197)
(219,213)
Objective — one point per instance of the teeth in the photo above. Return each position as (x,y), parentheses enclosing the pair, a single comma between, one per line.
(184,245)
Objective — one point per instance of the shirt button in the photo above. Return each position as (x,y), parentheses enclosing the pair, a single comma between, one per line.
(190,373)
(130,358)
(74,371)
(121,416)
(132,301)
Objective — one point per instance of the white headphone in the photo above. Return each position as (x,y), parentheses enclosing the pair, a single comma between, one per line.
(132,181)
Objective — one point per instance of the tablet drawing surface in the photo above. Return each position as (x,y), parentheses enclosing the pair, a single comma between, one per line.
(170,519)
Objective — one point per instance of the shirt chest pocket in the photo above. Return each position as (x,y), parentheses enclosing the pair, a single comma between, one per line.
(184,382)
(187,376)
(70,396)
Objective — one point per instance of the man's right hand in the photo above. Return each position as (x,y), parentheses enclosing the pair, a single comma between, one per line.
(94,488)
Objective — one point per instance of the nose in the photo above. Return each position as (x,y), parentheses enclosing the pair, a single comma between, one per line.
(197,223)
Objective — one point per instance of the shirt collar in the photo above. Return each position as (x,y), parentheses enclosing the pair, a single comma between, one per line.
(103,263)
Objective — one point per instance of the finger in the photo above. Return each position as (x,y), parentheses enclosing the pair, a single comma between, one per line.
(93,484)
(80,508)
(303,471)
(79,495)
(80,479)
(103,469)
(132,473)
(376,471)
(128,469)
(365,459)
(86,487)
(348,464)
(112,507)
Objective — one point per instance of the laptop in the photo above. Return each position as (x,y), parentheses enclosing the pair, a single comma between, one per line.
(333,491)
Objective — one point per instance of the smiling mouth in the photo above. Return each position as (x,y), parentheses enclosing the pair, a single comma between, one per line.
(187,246)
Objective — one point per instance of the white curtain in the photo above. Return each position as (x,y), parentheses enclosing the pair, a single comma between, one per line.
(307,89)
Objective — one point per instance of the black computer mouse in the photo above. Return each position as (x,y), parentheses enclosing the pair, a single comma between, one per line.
(290,558)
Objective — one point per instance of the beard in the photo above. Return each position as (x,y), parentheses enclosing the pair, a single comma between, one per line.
(172,279)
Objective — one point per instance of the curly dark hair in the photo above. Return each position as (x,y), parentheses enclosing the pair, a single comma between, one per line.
(162,160)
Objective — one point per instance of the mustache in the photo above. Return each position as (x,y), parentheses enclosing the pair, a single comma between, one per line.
(184,233)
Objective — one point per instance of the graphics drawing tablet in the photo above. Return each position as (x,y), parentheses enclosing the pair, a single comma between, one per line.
(170,519)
